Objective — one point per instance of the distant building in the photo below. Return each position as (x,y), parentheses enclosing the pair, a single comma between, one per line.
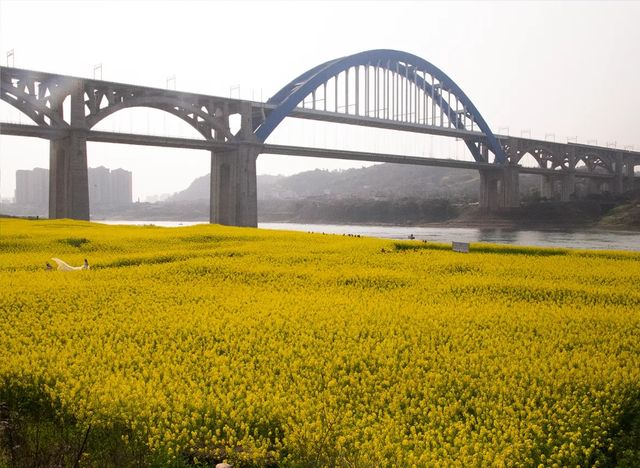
(32,188)
(157,198)
(121,187)
(109,188)
(99,186)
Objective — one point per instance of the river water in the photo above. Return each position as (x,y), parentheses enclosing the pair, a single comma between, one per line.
(591,239)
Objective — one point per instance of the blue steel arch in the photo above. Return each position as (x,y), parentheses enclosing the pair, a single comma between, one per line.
(395,61)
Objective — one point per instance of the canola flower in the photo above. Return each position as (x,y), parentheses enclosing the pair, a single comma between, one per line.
(304,349)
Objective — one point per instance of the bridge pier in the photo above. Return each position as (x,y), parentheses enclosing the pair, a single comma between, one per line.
(594,186)
(234,195)
(568,188)
(233,198)
(618,179)
(499,188)
(546,187)
(629,173)
(68,172)
(488,190)
(510,187)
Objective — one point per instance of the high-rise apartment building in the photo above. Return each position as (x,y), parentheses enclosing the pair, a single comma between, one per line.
(32,187)
(121,187)
(107,189)
(99,186)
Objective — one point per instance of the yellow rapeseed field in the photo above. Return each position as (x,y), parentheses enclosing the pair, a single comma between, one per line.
(264,347)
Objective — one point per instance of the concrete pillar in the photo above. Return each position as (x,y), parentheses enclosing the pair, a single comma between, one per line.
(68,173)
(488,190)
(593,186)
(484,151)
(581,188)
(546,187)
(234,194)
(510,185)
(618,174)
(568,188)
(499,188)
(247,211)
(629,170)
(222,203)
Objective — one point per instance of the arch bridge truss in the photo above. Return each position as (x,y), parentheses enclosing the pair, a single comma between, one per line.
(378,88)
(385,88)
(41,96)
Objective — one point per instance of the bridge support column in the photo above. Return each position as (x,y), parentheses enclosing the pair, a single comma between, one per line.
(489,190)
(234,195)
(593,186)
(499,188)
(568,190)
(510,184)
(68,172)
(618,178)
(629,173)
(546,187)
(568,186)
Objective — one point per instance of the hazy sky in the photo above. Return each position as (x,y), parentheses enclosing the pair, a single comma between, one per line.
(565,68)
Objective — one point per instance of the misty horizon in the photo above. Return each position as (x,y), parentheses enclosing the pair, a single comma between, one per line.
(531,68)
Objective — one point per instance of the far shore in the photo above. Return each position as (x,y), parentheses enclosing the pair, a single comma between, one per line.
(453,223)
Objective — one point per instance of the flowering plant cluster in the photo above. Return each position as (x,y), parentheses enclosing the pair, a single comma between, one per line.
(266,347)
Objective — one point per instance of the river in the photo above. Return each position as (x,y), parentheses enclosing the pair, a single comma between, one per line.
(590,239)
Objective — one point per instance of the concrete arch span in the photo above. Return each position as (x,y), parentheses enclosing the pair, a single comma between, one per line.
(546,156)
(203,122)
(38,100)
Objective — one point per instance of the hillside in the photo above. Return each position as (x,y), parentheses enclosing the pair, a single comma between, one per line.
(626,214)
(382,181)
(390,194)
(401,195)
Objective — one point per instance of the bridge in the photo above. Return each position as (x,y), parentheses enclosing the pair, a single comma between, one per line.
(378,88)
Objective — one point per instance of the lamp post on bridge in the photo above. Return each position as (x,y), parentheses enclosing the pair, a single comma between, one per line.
(233,89)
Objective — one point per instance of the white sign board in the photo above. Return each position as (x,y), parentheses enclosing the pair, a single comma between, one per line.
(460,247)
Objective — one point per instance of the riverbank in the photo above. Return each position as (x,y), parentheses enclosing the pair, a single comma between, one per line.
(602,212)
(579,239)
(543,216)
(573,216)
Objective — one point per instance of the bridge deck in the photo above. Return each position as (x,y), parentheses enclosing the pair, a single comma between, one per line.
(348,119)
(211,145)
(374,157)
(261,110)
